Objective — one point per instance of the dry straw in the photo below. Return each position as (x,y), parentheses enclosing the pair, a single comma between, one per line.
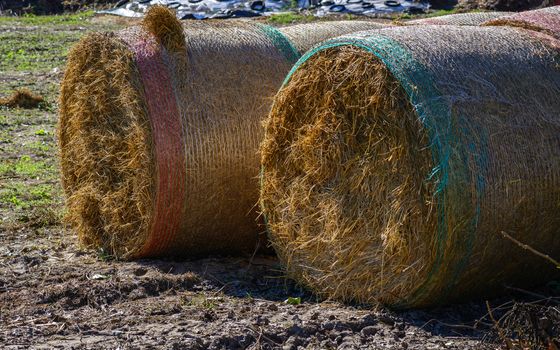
(159,132)
(22,98)
(394,159)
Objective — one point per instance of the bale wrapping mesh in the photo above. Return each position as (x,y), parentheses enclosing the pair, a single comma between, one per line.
(305,36)
(460,19)
(159,131)
(394,159)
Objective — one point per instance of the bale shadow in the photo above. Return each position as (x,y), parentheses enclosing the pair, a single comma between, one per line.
(259,277)
(262,277)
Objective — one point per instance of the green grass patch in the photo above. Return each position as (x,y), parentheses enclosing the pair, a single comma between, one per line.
(39,147)
(25,166)
(21,51)
(440,13)
(30,19)
(437,13)
(24,196)
(200,301)
(293,301)
(5,138)
(31,119)
(289,18)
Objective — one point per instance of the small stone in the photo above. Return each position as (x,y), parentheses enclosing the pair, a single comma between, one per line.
(140,271)
(545,323)
(262,321)
(328,326)
(295,330)
(387,320)
(368,331)
(338,340)
(368,320)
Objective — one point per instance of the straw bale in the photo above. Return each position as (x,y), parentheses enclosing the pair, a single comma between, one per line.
(545,20)
(460,19)
(159,132)
(393,160)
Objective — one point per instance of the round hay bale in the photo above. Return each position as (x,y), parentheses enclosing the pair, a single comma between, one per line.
(159,131)
(545,20)
(459,19)
(394,159)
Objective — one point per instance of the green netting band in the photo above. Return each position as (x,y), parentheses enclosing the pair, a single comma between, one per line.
(281,42)
(434,111)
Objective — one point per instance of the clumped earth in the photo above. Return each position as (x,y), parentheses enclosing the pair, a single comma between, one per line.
(55,295)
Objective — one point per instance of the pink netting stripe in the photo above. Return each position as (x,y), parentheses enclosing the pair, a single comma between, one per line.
(547,22)
(168,145)
(550,40)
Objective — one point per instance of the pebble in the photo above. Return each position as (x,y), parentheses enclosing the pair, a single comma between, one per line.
(387,320)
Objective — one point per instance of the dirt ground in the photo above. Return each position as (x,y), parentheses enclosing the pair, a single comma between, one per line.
(55,295)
